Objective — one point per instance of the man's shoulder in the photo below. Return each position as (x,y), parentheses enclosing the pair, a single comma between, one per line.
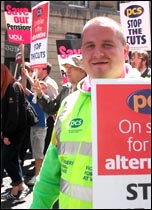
(149,69)
(147,72)
(72,97)
(50,81)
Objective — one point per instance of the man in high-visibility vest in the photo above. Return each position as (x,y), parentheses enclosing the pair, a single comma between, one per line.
(66,172)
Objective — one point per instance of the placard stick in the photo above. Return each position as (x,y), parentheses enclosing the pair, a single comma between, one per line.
(22,55)
(35,94)
(15,72)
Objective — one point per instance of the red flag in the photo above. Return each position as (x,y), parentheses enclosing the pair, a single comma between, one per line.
(18,56)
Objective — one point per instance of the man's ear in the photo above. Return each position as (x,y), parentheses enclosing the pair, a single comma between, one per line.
(126,52)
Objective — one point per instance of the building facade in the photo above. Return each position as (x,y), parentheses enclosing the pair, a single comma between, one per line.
(66,21)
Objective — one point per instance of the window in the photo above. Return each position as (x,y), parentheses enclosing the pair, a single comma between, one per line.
(72,36)
(78,4)
(118,4)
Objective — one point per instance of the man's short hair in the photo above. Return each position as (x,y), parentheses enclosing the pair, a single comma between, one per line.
(48,67)
(143,54)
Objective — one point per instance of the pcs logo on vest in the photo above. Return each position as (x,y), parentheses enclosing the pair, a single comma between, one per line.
(75,123)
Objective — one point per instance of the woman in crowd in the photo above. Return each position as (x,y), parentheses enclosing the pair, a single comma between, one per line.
(12,131)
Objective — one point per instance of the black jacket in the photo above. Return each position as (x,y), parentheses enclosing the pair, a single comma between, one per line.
(51,107)
(13,122)
(146,73)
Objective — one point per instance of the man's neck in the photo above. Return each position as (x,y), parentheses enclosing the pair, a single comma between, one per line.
(43,78)
(73,87)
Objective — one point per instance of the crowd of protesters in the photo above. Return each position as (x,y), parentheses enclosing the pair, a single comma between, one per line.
(103,56)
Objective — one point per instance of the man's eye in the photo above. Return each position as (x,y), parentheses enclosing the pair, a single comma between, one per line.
(107,45)
(89,46)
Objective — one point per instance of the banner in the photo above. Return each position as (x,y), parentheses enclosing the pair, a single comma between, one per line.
(66,48)
(121,143)
(39,36)
(18,21)
(135,18)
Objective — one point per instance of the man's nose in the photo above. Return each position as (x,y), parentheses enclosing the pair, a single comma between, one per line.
(98,51)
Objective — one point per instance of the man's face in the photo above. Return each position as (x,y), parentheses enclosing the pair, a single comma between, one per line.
(74,74)
(103,52)
(136,62)
(40,73)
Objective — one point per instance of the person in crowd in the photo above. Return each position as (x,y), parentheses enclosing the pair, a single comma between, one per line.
(2,167)
(26,143)
(13,133)
(64,78)
(133,72)
(44,75)
(140,60)
(70,152)
(74,72)
(37,132)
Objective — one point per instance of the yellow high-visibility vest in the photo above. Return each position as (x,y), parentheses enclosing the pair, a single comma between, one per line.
(74,147)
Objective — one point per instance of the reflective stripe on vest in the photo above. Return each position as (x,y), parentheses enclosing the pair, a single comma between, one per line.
(72,148)
(76,191)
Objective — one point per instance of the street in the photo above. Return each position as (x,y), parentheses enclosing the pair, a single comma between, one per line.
(28,171)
